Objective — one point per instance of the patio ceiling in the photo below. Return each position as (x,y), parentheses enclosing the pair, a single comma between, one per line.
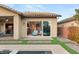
(4,18)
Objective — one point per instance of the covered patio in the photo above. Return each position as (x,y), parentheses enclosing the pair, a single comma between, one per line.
(6,27)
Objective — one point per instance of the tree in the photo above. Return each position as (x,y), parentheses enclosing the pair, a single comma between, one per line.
(77,15)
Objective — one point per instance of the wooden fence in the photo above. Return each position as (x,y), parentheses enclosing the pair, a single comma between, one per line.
(73,33)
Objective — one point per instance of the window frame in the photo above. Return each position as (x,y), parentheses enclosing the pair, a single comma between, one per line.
(42,28)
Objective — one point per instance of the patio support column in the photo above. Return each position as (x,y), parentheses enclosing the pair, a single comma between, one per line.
(16,22)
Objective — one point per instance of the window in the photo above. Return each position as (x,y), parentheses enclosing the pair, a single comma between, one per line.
(38,28)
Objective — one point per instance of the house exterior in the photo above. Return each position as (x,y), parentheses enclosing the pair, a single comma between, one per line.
(63,26)
(29,24)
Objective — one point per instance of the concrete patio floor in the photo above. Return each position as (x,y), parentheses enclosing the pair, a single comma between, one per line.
(56,49)
(73,46)
(6,38)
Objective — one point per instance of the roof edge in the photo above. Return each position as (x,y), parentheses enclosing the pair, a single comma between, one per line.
(66,20)
(11,9)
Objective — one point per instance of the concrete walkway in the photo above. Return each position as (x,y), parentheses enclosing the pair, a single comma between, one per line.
(66,40)
(56,49)
(70,44)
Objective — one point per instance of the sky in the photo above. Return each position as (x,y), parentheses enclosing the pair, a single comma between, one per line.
(66,10)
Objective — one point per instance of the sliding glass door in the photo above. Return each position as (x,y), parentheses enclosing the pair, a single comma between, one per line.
(38,28)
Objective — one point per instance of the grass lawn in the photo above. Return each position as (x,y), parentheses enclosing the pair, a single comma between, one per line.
(63,44)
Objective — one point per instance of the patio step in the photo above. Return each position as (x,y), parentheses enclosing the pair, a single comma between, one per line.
(39,42)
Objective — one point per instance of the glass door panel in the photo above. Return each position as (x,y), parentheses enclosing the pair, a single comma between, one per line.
(46,28)
(34,28)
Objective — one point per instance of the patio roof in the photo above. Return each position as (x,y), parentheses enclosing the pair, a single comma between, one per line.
(66,20)
(11,9)
(41,14)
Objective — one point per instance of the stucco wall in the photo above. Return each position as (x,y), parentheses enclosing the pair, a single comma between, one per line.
(23,28)
(53,25)
(5,12)
(1,27)
(68,24)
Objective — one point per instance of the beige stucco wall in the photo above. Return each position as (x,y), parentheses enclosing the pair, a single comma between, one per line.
(5,12)
(1,27)
(68,24)
(53,25)
(23,28)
